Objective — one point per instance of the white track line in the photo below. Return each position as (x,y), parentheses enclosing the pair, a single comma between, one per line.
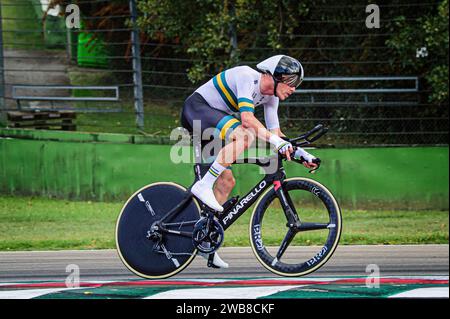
(437,292)
(221,293)
(29,293)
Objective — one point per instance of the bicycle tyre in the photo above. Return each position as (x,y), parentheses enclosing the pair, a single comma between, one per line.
(136,250)
(315,261)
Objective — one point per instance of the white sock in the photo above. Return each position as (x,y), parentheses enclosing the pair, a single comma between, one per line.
(213,173)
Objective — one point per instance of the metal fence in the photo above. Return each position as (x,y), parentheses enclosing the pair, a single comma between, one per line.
(151,77)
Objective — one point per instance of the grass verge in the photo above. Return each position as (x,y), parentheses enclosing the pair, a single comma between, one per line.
(28,223)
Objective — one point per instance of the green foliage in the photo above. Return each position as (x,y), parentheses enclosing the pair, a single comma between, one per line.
(431,32)
(199,25)
(204,31)
(24,18)
(206,28)
(438,81)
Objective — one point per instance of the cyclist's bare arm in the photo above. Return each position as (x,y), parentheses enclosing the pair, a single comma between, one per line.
(249,121)
(277,132)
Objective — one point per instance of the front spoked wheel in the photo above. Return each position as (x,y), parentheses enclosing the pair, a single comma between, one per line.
(297,249)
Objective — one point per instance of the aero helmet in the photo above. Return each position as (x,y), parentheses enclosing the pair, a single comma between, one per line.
(284,69)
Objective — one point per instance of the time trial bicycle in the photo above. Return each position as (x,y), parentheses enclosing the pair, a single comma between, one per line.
(163,226)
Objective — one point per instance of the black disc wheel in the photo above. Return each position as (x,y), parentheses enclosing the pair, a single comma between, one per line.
(153,254)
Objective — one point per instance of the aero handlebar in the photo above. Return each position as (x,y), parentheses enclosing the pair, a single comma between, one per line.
(306,139)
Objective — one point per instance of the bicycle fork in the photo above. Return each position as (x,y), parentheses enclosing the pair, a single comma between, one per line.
(293,221)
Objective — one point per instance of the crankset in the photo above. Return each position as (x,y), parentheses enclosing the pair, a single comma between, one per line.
(208,234)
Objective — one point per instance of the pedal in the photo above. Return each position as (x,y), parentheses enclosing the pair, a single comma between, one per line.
(210,261)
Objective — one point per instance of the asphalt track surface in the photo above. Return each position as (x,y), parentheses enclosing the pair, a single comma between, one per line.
(104,265)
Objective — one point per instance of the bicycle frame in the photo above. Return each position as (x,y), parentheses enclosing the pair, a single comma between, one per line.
(230,215)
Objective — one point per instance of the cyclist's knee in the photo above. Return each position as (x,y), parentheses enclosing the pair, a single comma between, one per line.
(243,135)
(226,182)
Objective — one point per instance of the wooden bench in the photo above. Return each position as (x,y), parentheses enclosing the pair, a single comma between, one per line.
(45,120)
(49,117)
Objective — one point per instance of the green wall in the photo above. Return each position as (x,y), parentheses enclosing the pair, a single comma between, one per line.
(75,167)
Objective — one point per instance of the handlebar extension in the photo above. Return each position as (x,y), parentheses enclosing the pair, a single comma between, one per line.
(307,138)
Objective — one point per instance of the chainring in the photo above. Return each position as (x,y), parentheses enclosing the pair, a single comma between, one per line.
(208,235)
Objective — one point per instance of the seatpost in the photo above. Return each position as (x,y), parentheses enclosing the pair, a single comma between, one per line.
(197,144)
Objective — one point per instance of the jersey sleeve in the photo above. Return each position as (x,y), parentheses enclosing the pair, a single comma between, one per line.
(245,87)
(271,114)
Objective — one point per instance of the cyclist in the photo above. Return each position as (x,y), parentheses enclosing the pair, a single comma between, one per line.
(227,103)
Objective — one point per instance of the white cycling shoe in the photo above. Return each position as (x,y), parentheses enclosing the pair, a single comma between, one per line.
(217,262)
(206,195)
